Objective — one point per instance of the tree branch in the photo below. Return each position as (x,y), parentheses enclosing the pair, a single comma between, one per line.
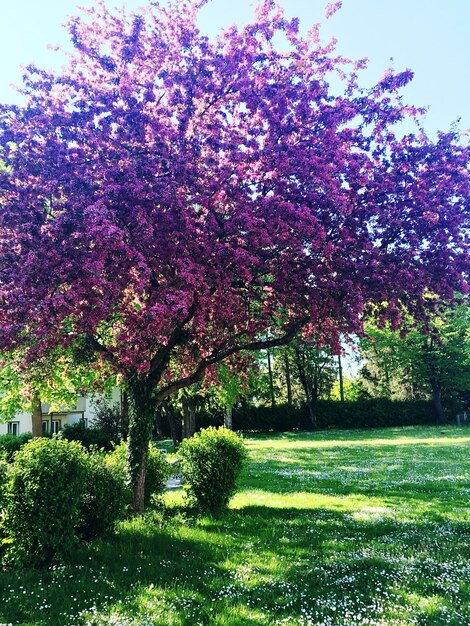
(221,353)
(160,360)
(96,346)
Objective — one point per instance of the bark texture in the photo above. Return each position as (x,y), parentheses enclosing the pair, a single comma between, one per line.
(228,421)
(36,414)
(141,412)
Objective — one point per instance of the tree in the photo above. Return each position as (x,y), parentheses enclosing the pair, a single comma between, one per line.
(425,362)
(56,380)
(169,201)
(316,372)
(232,384)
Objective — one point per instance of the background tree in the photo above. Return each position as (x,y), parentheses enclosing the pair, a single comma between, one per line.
(426,362)
(169,201)
(233,383)
(316,372)
(56,380)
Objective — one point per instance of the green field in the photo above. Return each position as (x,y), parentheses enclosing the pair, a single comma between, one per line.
(333,528)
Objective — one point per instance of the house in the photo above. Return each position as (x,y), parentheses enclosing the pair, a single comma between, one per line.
(53,421)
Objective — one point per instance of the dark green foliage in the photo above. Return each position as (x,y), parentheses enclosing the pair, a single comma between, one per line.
(109,419)
(375,413)
(210,415)
(43,495)
(263,418)
(12,443)
(89,437)
(429,361)
(104,501)
(3,478)
(212,460)
(158,470)
(370,413)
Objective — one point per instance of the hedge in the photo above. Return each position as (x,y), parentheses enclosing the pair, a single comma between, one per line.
(371,413)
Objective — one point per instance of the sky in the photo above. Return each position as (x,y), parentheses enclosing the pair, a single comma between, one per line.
(431,37)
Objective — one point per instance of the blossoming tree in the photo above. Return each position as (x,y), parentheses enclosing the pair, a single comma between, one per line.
(167,200)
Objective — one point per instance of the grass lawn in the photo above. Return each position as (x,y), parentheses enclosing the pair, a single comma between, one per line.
(332,528)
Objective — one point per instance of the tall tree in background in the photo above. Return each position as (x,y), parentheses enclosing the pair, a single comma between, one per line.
(426,362)
(169,200)
(316,372)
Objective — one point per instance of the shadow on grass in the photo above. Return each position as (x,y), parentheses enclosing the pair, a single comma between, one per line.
(256,565)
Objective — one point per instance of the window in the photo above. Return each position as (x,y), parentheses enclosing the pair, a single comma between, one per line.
(13,428)
(45,427)
(56,425)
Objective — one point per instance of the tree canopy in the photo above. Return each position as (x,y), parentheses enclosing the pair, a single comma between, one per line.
(169,200)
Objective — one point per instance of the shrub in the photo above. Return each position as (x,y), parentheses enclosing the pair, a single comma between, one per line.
(109,419)
(158,470)
(12,443)
(4,466)
(3,477)
(211,462)
(89,437)
(104,500)
(44,490)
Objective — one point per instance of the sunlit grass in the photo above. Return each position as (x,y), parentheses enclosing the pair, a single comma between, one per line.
(334,528)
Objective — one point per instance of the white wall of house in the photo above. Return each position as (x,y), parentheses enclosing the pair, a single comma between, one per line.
(85,408)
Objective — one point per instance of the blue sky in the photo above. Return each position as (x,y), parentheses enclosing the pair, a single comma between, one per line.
(431,37)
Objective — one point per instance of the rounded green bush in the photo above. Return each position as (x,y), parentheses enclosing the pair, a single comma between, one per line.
(104,500)
(211,463)
(158,470)
(44,491)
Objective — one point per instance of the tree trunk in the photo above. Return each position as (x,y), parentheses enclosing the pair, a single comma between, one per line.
(189,417)
(36,414)
(271,384)
(159,431)
(310,394)
(312,413)
(228,422)
(174,423)
(437,400)
(288,380)
(124,414)
(341,384)
(141,412)
(192,420)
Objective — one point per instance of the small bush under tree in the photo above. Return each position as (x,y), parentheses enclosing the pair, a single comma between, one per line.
(44,491)
(211,463)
